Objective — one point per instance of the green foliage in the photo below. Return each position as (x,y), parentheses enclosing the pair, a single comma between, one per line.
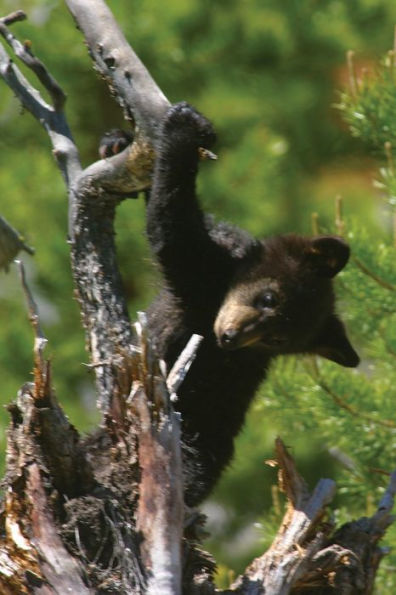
(369,107)
(266,73)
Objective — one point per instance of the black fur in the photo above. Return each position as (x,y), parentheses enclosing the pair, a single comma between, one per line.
(114,141)
(250,299)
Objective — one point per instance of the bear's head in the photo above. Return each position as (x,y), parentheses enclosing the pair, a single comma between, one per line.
(282,300)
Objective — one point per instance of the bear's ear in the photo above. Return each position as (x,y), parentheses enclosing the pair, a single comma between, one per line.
(327,255)
(333,344)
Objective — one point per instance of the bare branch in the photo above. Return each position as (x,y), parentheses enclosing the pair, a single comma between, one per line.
(133,86)
(182,365)
(51,118)
(18,15)
(94,264)
(24,53)
(141,99)
(93,248)
(39,341)
(93,252)
(11,243)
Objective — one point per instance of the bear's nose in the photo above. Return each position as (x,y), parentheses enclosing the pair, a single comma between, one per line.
(228,337)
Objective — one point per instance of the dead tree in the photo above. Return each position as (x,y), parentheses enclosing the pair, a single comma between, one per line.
(105,514)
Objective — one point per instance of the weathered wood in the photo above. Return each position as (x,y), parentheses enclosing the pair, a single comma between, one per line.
(141,99)
(68,516)
(114,58)
(182,365)
(160,511)
(307,555)
(45,464)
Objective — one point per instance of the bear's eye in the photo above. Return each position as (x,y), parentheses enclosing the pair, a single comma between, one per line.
(268,299)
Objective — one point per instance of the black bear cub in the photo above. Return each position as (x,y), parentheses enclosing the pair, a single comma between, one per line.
(250,299)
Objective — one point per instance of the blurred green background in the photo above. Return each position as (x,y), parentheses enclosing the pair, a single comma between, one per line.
(269,74)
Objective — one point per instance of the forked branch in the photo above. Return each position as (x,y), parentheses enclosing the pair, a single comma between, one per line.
(93,192)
